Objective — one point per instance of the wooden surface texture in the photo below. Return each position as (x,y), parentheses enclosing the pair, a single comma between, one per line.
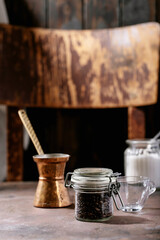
(70,14)
(81,14)
(136,123)
(14,145)
(134,12)
(79,69)
(20,220)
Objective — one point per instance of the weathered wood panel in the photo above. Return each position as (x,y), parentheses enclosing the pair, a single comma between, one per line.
(134,12)
(65,14)
(57,68)
(98,14)
(136,123)
(24,13)
(14,146)
(92,14)
(77,14)
(27,13)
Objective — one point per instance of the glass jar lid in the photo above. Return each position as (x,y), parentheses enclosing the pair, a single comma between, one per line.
(143,142)
(89,178)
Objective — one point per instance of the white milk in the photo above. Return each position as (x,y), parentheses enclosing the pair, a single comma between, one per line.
(143,162)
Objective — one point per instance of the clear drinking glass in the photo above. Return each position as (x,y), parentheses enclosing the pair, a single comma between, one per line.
(134,192)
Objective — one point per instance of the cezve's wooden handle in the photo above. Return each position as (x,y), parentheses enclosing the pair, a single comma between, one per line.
(27,124)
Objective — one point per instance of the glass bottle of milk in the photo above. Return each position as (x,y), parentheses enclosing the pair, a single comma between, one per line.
(142,158)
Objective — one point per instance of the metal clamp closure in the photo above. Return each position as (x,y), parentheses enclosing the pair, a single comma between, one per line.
(113,189)
(67,182)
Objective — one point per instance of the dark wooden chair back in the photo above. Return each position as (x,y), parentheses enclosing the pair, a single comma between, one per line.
(110,68)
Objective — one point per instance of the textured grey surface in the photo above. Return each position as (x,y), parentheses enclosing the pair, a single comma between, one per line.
(20,220)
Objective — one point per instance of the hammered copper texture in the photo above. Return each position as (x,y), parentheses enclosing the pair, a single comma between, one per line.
(51,191)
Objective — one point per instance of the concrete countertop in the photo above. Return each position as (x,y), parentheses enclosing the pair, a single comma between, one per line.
(20,220)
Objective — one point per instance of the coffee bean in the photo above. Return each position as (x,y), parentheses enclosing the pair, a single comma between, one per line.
(93,206)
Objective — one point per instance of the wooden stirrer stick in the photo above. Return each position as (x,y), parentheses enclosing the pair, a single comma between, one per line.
(27,124)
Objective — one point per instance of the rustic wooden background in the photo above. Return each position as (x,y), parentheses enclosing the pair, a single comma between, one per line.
(93,137)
